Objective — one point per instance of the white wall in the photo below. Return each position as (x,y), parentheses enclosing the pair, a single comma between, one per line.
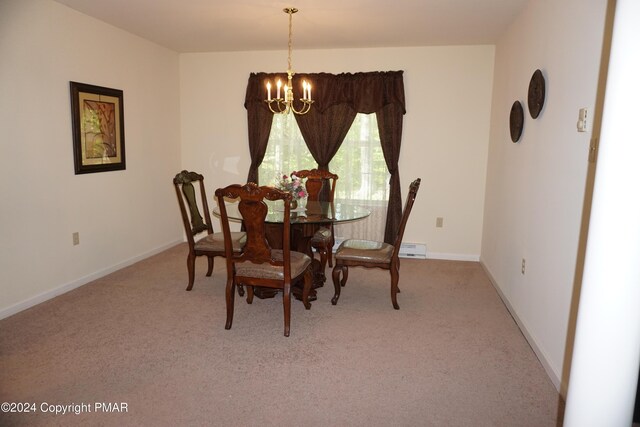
(121,216)
(535,188)
(445,136)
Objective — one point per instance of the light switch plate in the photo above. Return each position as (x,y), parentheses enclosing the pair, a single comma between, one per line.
(583,124)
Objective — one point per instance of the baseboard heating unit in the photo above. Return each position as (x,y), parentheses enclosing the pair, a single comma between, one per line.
(407,250)
(413,250)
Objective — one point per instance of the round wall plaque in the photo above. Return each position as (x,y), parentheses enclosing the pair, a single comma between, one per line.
(516,121)
(536,94)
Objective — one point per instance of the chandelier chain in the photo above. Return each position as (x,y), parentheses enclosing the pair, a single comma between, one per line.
(284,104)
(290,12)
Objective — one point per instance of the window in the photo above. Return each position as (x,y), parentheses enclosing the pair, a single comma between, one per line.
(286,151)
(360,164)
(361,159)
(364,178)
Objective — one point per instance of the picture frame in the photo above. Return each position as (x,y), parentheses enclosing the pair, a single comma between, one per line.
(97,120)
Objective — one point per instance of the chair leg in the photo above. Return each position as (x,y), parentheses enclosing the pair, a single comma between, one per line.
(210,266)
(345,275)
(322,251)
(332,242)
(286,302)
(191,268)
(395,276)
(308,282)
(240,290)
(230,293)
(337,283)
(249,294)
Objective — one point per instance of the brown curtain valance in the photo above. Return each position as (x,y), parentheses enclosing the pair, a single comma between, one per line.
(366,92)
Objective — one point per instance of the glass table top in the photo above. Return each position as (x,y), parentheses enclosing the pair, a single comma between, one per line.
(309,212)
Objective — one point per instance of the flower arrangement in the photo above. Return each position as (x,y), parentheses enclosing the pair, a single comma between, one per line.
(293,185)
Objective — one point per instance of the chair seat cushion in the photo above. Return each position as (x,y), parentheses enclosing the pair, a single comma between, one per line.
(215,242)
(299,263)
(322,236)
(364,250)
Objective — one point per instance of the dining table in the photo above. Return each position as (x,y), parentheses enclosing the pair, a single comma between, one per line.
(304,220)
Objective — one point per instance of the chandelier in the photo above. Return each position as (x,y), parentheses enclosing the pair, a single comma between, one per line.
(279,105)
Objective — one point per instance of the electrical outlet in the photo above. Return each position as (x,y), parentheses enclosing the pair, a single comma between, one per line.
(76,238)
(439,222)
(523,265)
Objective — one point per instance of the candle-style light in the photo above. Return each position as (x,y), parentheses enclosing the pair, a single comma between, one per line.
(279,105)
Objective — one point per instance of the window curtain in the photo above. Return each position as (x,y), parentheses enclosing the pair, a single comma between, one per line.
(390,128)
(260,121)
(337,99)
(323,132)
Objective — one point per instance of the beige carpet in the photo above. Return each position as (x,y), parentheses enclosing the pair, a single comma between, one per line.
(451,356)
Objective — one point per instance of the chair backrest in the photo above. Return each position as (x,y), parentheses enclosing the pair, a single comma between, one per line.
(254,211)
(411,197)
(316,180)
(192,220)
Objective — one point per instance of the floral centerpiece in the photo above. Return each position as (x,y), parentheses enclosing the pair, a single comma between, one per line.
(292,184)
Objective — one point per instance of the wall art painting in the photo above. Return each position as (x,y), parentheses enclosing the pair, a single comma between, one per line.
(97,119)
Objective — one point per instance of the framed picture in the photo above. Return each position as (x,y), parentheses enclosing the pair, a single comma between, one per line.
(97,119)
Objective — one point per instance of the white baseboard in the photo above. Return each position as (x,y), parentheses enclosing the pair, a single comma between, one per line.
(453,257)
(44,296)
(540,354)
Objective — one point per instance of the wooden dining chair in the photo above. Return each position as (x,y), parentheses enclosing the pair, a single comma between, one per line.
(258,264)
(372,254)
(212,244)
(318,183)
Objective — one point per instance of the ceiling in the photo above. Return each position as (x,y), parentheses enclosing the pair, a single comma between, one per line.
(243,25)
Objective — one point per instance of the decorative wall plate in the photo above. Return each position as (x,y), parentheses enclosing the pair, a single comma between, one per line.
(516,121)
(536,94)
